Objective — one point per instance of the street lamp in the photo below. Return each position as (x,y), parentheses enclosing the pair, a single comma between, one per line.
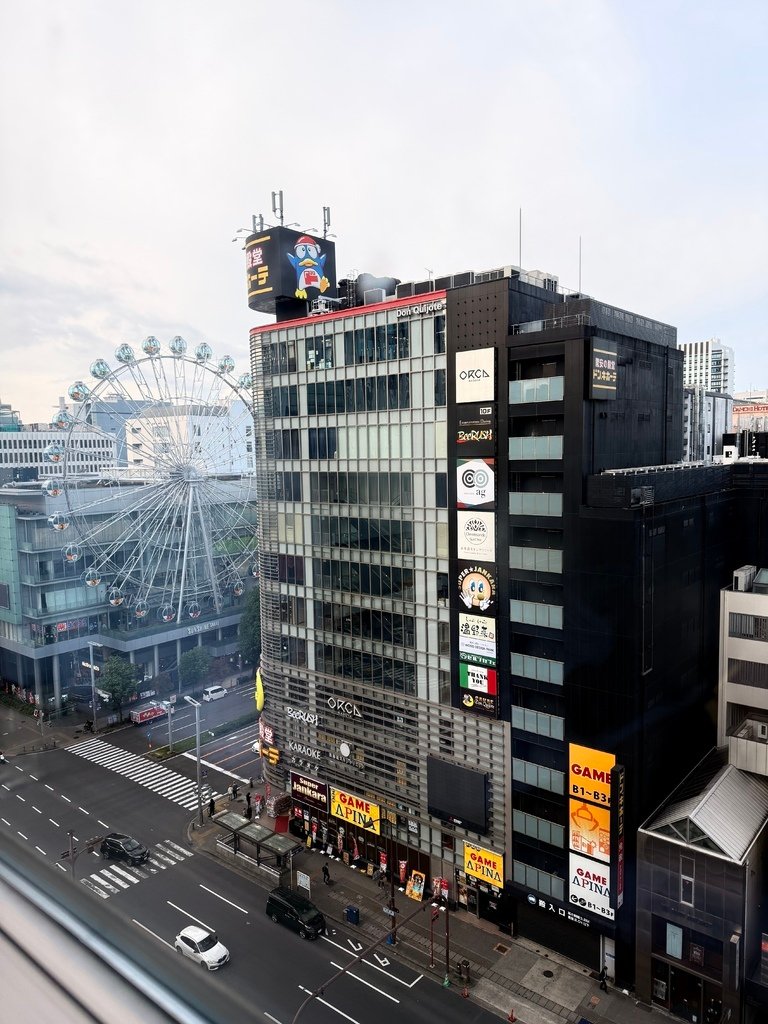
(391,864)
(169,711)
(196,705)
(91,645)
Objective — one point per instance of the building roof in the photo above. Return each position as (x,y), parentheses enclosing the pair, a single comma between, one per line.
(722,812)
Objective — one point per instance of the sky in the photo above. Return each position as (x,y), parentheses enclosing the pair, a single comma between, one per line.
(138,138)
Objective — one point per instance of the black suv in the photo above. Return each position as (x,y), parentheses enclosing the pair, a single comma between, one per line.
(296,911)
(119,847)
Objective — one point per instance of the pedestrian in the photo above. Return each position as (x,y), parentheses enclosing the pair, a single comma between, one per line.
(235,791)
(326,874)
(249,812)
(230,793)
(603,976)
(250,783)
(248,799)
(211,807)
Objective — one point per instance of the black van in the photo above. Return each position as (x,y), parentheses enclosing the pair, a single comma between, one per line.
(296,911)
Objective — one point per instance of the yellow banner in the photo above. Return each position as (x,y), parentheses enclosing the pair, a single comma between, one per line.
(589,776)
(484,864)
(356,811)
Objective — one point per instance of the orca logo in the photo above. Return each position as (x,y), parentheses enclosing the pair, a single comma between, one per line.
(473,374)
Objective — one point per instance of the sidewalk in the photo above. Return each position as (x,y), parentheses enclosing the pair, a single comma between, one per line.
(507,975)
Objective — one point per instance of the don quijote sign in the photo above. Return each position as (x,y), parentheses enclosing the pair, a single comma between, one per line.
(344,707)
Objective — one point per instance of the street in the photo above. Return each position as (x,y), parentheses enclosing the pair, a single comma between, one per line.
(44,795)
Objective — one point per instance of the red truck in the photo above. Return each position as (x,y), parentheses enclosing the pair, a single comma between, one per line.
(141,715)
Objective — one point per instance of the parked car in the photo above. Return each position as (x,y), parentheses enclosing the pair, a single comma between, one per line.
(214,692)
(289,908)
(117,846)
(202,946)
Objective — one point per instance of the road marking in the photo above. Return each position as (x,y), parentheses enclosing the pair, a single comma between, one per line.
(36,809)
(61,866)
(20,798)
(82,809)
(103,823)
(105,883)
(22,835)
(153,934)
(187,914)
(382,960)
(376,967)
(7,822)
(41,851)
(273,1019)
(106,873)
(18,769)
(357,947)
(187,853)
(219,897)
(125,874)
(329,1005)
(66,798)
(54,823)
(34,777)
(364,982)
(48,787)
(7,787)
(95,888)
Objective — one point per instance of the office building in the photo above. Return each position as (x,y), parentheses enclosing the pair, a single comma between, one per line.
(707,416)
(709,365)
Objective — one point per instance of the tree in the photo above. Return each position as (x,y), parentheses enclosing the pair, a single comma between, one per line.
(118,679)
(250,628)
(194,667)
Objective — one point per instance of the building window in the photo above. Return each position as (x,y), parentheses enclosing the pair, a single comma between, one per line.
(441,490)
(440,392)
(750,627)
(687,879)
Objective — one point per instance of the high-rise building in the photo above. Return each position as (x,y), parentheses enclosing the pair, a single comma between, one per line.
(709,365)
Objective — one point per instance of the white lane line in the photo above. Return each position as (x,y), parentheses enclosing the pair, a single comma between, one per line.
(364,982)
(223,899)
(187,914)
(48,787)
(376,967)
(102,823)
(22,835)
(36,809)
(153,934)
(7,787)
(20,798)
(6,822)
(82,809)
(18,769)
(54,823)
(66,798)
(329,1005)
(273,1019)
(41,851)
(34,777)
(61,866)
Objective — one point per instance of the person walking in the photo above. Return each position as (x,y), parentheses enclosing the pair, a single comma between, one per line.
(326,874)
(248,799)
(211,807)
(603,976)
(235,791)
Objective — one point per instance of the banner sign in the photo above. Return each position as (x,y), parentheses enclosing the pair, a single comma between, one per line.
(478,678)
(477,639)
(484,864)
(356,811)
(309,790)
(590,886)
(476,535)
(475,483)
(475,378)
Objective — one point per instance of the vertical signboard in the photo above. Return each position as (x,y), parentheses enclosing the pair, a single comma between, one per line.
(283,264)
(603,369)
(595,838)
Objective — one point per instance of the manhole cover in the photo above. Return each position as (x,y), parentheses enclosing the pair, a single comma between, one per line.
(501,949)
(548,974)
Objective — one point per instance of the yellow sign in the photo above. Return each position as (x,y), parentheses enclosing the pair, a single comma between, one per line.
(484,864)
(356,811)
(272,754)
(258,693)
(589,776)
(589,828)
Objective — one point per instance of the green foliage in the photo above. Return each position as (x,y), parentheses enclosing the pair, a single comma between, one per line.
(118,679)
(194,666)
(249,632)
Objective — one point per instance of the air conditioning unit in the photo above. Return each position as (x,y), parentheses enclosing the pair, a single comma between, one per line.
(743,577)
(762,730)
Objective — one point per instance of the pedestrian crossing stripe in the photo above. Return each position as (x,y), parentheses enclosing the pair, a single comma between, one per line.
(116,878)
(163,781)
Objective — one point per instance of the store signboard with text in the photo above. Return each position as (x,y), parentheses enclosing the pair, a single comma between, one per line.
(475,375)
(356,811)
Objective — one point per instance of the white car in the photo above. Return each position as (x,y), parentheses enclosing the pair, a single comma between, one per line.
(214,693)
(202,946)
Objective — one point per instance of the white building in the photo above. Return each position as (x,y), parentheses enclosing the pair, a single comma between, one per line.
(742,721)
(24,450)
(709,365)
(707,415)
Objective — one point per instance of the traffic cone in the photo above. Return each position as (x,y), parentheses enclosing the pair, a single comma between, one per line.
(512,1016)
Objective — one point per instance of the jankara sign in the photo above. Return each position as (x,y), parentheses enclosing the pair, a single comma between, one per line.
(484,864)
(356,811)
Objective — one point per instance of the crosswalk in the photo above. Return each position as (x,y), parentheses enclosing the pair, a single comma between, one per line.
(155,777)
(115,878)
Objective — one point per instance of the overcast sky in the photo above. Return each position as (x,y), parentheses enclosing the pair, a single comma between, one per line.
(138,137)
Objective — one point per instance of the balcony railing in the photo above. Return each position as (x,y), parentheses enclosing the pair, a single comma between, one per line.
(543,669)
(541,389)
(549,446)
(535,559)
(538,722)
(527,503)
(533,613)
(537,775)
(538,828)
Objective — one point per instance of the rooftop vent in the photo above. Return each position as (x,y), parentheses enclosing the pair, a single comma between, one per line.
(743,577)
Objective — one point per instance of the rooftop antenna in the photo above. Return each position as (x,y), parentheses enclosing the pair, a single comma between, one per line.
(579,264)
(431,274)
(520,238)
(277,205)
(258,222)
(326,220)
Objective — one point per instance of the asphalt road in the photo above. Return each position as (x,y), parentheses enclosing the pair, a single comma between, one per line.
(272,969)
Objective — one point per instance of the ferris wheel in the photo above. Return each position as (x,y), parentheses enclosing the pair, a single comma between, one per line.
(164,525)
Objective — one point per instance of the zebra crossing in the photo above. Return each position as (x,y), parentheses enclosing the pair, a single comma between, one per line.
(154,777)
(115,878)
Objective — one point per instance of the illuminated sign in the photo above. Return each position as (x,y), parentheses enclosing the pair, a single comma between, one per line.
(478,678)
(475,375)
(309,790)
(484,864)
(356,811)
(475,483)
(477,588)
(603,369)
(284,264)
(477,639)
(476,532)
(480,703)
(590,830)
(590,774)
(423,307)
(590,886)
